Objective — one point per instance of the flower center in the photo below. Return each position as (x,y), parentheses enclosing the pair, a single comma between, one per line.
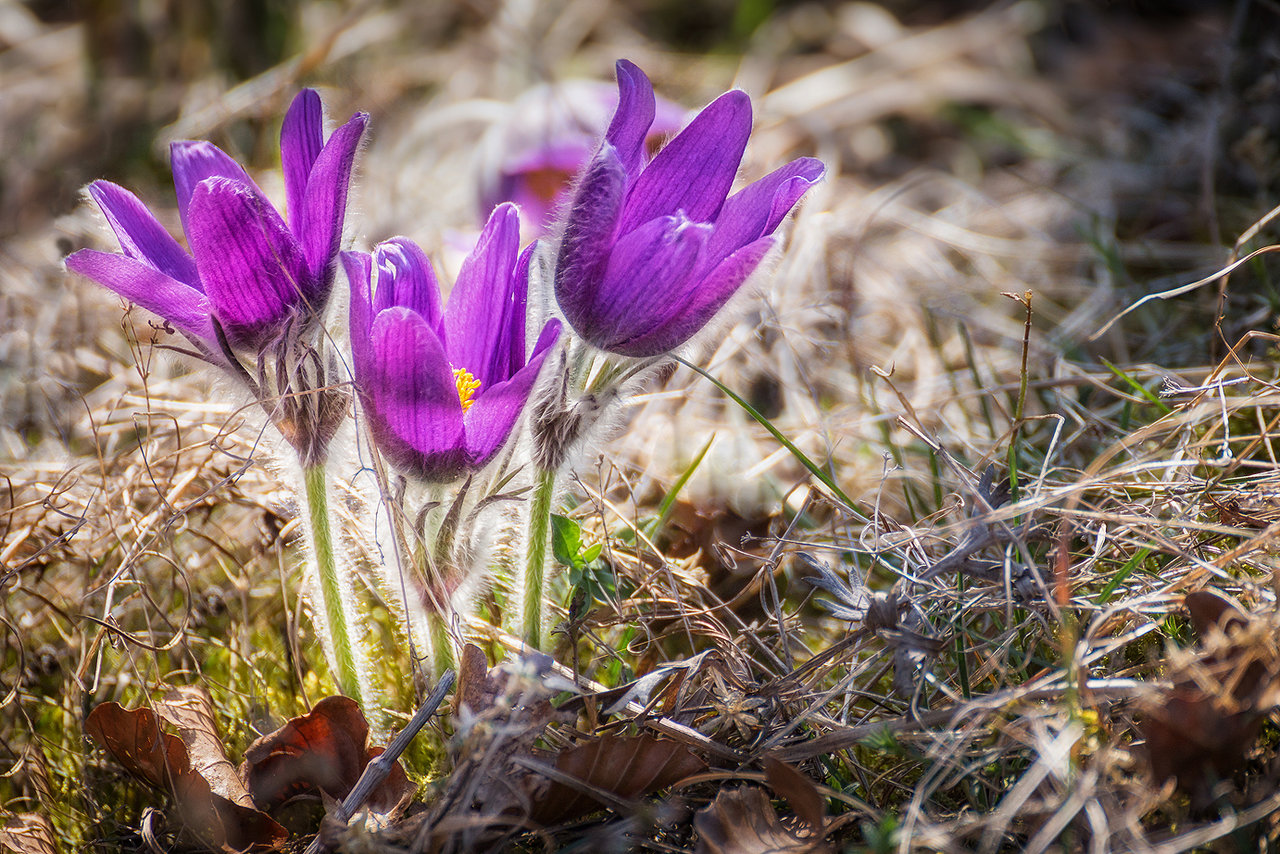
(467,386)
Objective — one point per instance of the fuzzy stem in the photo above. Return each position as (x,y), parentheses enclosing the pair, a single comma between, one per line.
(442,658)
(531,601)
(336,605)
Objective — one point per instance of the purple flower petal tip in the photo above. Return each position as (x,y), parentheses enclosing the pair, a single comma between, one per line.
(136,281)
(652,251)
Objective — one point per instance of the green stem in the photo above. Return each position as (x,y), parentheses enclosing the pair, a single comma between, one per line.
(530,596)
(316,485)
(442,657)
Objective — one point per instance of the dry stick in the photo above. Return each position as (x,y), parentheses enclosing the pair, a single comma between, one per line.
(379,767)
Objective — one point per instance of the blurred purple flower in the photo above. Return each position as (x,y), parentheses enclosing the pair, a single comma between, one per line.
(651,252)
(442,389)
(247,271)
(532,155)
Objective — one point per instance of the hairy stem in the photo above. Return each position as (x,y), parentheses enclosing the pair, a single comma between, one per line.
(442,658)
(530,595)
(334,594)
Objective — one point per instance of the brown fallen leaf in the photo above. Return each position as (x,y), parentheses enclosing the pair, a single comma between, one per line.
(473,669)
(324,751)
(798,791)
(135,739)
(742,821)
(190,711)
(1200,731)
(625,767)
(28,833)
(1211,610)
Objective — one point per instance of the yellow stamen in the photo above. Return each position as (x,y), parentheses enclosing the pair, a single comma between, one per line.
(467,386)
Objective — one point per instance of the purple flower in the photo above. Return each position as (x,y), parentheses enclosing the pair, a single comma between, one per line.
(532,155)
(651,252)
(442,389)
(246,271)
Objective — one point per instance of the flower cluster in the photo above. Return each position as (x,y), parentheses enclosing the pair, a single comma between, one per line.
(651,248)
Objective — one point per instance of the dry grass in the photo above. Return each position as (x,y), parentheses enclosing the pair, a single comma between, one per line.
(1001,185)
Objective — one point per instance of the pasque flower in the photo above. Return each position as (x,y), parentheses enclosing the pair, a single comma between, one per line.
(442,388)
(652,251)
(548,134)
(246,271)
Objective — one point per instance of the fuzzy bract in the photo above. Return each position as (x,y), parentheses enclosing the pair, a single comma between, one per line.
(245,269)
(651,251)
(442,388)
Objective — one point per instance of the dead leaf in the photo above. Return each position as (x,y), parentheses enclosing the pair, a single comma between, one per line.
(1209,609)
(742,821)
(135,739)
(321,753)
(28,833)
(624,766)
(473,667)
(798,791)
(190,711)
(1200,731)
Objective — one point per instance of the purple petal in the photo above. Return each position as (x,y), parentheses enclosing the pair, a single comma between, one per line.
(588,235)
(319,228)
(418,417)
(301,139)
(359,268)
(646,281)
(180,304)
(405,278)
(192,162)
(494,412)
(518,309)
(696,169)
(141,235)
(252,268)
(704,301)
(756,210)
(477,331)
(634,116)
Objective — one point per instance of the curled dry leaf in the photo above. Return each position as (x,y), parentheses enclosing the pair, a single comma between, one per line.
(1199,731)
(799,791)
(622,766)
(324,751)
(189,710)
(473,669)
(134,738)
(28,833)
(742,821)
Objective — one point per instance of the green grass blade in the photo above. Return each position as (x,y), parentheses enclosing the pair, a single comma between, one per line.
(1137,387)
(669,500)
(800,455)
